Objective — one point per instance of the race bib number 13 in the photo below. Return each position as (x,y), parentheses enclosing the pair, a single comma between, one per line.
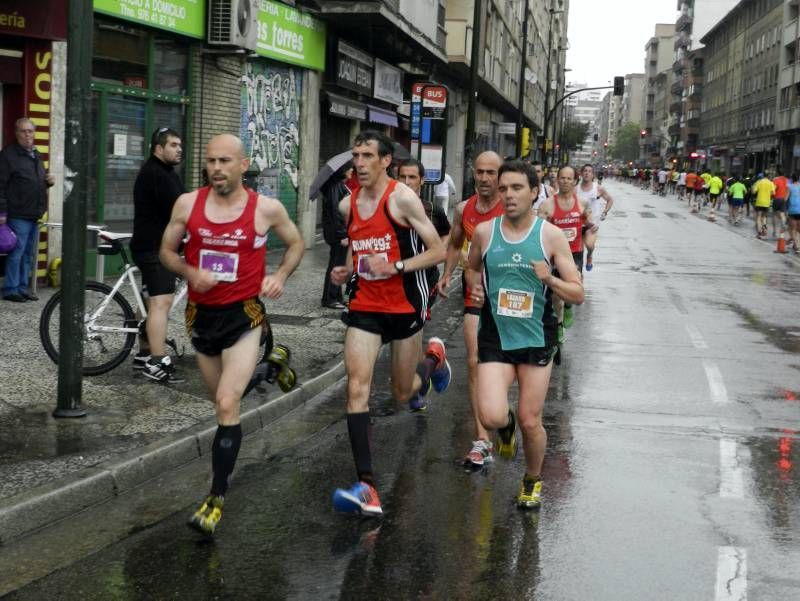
(514,303)
(223,266)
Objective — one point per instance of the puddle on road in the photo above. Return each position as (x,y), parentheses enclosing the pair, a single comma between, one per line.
(775,485)
(785,338)
(647,214)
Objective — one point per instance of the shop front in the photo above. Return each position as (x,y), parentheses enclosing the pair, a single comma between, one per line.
(28,31)
(140,81)
(290,43)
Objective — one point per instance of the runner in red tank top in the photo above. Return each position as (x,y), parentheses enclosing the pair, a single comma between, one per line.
(571,214)
(386,221)
(227,229)
(483,206)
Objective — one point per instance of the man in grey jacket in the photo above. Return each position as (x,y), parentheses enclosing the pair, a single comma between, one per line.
(23,200)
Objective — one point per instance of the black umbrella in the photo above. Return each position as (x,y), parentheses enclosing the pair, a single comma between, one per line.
(332,165)
(336,162)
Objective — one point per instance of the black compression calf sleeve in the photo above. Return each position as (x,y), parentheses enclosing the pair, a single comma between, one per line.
(224,451)
(358,429)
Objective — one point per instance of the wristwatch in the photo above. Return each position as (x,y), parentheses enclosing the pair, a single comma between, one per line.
(399,266)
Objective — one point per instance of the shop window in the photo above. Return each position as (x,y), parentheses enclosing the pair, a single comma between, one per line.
(126,148)
(170,61)
(120,54)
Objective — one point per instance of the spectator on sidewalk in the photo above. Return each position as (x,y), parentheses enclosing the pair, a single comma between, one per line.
(445,194)
(155,191)
(334,231)
(23,201)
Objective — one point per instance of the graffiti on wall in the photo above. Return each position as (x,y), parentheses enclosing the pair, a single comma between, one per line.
(270,121)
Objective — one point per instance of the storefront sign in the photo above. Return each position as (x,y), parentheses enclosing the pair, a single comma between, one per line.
(38,91)
(290,36)
(178,16)
(388,83)
(45,19)
(349,109)
(354,69)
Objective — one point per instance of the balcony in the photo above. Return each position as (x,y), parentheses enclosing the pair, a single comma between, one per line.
(696,89)
(675,107)
(677,87)
(682,41)
(683,23)
(674,130)
(678,65)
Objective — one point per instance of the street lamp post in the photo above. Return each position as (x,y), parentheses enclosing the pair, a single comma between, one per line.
(522,64)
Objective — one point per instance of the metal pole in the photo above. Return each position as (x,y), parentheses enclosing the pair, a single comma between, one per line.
(522,64)
(469,135)
(70,336)
(547,87)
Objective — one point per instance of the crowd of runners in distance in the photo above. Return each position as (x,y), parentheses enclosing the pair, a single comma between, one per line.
(760,194)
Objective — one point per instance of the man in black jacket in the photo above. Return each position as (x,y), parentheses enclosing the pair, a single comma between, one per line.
(155,191)
(334,230)
(23,201)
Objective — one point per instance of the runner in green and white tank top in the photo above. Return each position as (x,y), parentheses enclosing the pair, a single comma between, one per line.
(519,311)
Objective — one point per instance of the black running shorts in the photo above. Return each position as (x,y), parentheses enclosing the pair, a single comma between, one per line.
(492,353)
(212,329)
(761,209)
(389,326)
(778,206)
(156,280)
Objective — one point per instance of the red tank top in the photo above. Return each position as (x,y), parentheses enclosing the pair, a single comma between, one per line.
(469,221)
(570,222)
(233,251)
(472,217)
(381,235)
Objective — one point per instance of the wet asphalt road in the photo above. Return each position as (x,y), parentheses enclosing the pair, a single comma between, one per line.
(671,470)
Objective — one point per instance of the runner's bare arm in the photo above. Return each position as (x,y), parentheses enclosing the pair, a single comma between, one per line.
(199,279)
(406,207)
(277,219)
(603,193)
(474,269)
(546,209)
(568,285)
(453,249)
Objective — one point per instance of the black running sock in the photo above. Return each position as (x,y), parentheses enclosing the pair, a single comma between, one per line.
(358,429)
(224,451)
(424,370)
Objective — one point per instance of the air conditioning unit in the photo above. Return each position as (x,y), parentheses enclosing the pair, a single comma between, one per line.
(232,23)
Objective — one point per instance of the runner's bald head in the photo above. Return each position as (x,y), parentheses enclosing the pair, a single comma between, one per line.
(489,156)
(229,144)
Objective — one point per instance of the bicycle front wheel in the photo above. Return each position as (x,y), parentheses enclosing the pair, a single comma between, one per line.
(105,343)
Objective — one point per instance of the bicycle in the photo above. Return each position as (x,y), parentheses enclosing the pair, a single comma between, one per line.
(110,324)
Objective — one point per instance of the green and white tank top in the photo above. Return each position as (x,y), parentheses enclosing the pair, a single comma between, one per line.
(520,302)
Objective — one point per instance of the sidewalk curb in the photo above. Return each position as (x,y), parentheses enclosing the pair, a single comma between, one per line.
(49,503)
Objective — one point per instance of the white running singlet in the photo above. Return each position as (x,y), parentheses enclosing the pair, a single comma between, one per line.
(593,199)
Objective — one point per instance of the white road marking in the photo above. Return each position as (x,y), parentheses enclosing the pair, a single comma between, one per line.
(731,477)
(697,338)
(731,574)
(719,394)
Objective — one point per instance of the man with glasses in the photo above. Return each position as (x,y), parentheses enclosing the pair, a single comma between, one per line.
(155,191)
(23,201)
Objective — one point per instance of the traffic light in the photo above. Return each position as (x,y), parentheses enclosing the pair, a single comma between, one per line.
(526,142)
(605,144)
(619,86)
(643,133)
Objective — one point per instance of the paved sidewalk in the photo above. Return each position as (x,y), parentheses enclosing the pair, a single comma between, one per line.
(135,429)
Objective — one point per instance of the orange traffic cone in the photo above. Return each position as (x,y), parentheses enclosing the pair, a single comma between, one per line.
(781,248)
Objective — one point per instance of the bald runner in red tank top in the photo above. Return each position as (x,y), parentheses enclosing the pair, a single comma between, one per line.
(234,252)
(469,221)
(381,235)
